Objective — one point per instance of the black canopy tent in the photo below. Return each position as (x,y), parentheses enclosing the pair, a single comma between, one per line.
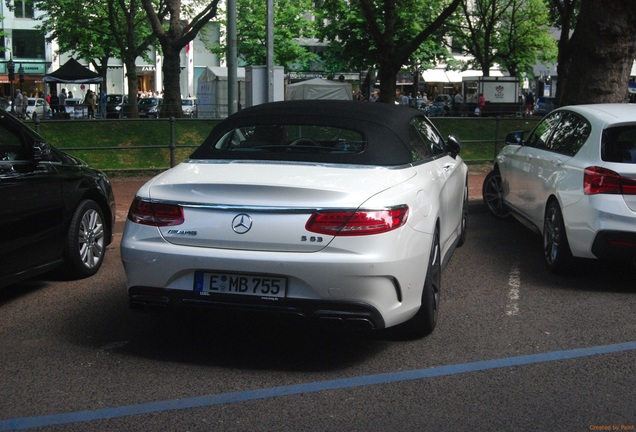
(73,72)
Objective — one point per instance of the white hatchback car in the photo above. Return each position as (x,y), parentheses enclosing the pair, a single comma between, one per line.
(37,107)
(573,180)
(339,211)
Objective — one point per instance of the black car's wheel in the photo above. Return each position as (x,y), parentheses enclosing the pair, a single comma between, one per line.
(86,240)
(556,248)
(425,320)
(462,235)
(492,193)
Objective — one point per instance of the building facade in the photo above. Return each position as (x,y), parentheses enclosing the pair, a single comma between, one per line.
(33,57)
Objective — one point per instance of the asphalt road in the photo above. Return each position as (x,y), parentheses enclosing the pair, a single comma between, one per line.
(516,349)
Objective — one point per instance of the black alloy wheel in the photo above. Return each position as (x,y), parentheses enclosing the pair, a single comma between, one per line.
(492,193)
(556,249)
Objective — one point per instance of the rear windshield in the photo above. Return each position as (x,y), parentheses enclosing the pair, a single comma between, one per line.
(292,139)
(619,144)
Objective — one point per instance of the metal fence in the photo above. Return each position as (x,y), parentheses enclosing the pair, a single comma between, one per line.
(472,132)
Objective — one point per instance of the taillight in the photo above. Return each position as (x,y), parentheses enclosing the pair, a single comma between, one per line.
(356,223)
(155,214)
(597,180)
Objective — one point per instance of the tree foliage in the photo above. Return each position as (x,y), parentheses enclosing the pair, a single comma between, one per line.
(108,28)
(82,32)
(386,35)
(511,33)
(292,24)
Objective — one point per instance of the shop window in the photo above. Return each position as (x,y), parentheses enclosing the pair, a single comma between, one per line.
(28,44)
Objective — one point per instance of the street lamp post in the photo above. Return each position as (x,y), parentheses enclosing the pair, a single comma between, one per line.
(21,75)
(11,70)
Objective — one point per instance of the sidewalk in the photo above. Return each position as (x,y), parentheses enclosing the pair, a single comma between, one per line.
(125,189)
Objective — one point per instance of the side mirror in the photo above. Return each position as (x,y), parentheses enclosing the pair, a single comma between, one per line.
(41,151)
(454,146)
(515,138)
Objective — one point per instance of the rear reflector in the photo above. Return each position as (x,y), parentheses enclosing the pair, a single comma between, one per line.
(597,180)
(357,223)
(155,214)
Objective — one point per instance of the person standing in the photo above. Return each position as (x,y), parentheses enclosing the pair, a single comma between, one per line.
(18,102)
(89,105)
(481,103)
(62,101)
(529,104)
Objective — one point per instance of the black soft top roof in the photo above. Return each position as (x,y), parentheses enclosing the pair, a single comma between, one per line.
(384,126)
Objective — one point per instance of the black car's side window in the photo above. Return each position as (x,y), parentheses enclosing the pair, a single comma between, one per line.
(570,135)
(541,134)
(11,147)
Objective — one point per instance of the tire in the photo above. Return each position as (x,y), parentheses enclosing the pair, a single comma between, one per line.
(492,193)
(556,248)
(425,320)
(85,240)
(464,222)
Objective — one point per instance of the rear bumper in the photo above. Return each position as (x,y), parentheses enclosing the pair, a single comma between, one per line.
(615,245)
(332,314)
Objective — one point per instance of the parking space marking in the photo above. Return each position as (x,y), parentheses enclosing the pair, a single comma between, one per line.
(306,388)
(514,290)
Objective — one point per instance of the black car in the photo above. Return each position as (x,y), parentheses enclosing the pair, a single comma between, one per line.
(116,105)
(150,107)
(55,212)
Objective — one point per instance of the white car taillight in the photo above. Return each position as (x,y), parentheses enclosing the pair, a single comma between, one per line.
(155,214)
(598,180)
(357,223)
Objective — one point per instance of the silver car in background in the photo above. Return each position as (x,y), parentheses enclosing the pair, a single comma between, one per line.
(573,180)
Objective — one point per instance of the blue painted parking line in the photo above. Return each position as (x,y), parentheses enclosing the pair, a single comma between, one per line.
(337,384)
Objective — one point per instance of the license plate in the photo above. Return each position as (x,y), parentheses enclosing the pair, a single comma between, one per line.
(239,284)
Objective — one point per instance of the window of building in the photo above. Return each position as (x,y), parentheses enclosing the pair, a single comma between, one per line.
(24,9)
(28,44)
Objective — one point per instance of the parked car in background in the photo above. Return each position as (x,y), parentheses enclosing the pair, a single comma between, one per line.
(38,108)
(573,180)
(544,105)
(189,107)
(116,105)
(56,211)
(336,211)
(150,107)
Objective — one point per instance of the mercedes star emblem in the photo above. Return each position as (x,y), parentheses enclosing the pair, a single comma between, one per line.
(242,223)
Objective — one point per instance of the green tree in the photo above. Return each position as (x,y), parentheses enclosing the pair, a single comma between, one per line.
(82,32)
(132,35)
(173,37)
(512,33)
(602,50)
(291,25)
(108,28)
(386,35)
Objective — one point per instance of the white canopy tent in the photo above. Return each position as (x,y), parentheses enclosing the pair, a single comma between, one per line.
(319,88)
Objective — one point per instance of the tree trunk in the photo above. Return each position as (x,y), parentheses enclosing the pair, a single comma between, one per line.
(131,76)
(602,51)
(171,80)
(387,84)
